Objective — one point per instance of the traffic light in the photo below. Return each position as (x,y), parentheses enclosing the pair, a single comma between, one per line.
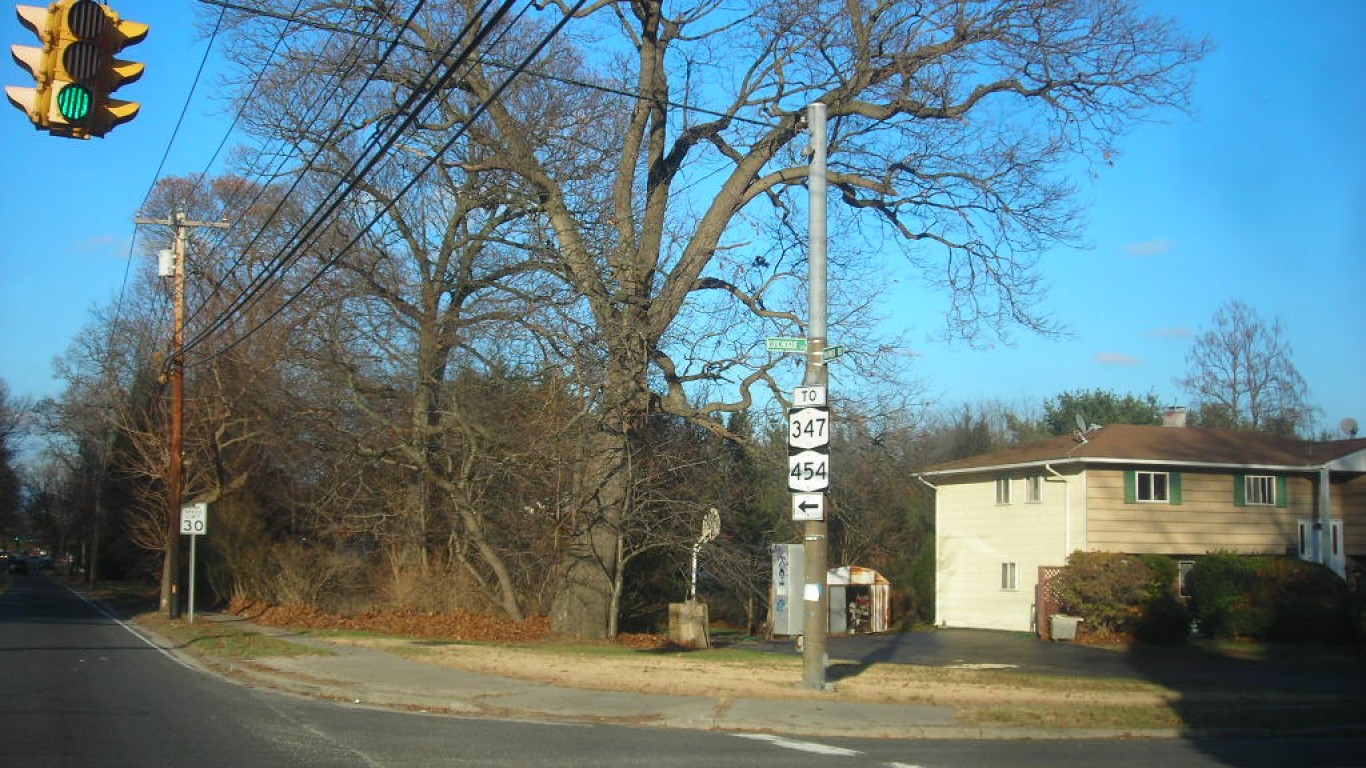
(75,70)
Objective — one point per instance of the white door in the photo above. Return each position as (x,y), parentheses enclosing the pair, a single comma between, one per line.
(1333,555)
(1337,559)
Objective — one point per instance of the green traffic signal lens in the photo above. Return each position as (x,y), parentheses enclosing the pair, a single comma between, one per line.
(74,102)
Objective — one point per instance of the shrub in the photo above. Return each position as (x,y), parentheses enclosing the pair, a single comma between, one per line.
(1124,594)
(1219,586)
(1271,598)
(1165,620)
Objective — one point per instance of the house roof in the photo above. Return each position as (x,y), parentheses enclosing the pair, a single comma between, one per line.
(1134,444)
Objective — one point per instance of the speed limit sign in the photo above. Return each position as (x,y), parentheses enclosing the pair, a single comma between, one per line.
(194,520)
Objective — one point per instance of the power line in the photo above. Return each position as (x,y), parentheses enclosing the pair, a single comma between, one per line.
(478,112)
(498,64)
(352,61)
(419,98)
(280,261)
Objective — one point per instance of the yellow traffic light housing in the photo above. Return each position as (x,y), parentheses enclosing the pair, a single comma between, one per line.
(76,71)
(35,101)
(118,34)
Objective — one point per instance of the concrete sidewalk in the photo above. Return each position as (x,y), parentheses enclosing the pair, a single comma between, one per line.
(369,677)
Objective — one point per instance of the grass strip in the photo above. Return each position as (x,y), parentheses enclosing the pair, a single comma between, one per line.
(210,639)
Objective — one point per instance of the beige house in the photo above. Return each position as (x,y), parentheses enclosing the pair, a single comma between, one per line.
(1168,490)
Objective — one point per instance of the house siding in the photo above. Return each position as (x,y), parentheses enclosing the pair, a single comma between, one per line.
(979,535)
(1206,519)
(1349,504)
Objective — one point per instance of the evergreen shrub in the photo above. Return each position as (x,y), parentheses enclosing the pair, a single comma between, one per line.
(1271,598)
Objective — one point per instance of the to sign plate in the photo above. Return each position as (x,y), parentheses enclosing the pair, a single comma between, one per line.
(808,471)
(805,397)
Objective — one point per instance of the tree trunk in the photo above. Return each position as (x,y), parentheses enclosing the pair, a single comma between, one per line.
(583,604)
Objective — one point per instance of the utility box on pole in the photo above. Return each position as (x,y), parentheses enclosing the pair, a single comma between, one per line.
(789,575)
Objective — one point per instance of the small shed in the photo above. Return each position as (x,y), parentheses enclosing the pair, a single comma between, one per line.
(859,600)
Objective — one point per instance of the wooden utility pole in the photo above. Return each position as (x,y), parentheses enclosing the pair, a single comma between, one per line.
(170,581)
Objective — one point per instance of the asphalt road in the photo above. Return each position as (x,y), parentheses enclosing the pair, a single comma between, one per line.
(77,688)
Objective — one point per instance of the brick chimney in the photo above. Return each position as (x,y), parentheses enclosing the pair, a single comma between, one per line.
(1175,416)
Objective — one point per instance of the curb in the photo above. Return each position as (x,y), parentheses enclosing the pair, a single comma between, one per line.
(504,698)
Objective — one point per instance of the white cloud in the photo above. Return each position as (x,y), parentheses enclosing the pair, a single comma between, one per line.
(1175,332)
(1148,248)
(1117,358)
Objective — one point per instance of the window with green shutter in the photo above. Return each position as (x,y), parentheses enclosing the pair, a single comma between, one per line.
(1259,491)
(1143,487)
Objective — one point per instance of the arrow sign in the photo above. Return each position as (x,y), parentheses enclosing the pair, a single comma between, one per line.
(808,506)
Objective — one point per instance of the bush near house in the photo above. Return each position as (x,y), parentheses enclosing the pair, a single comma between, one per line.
(1271,598)
(1122,595)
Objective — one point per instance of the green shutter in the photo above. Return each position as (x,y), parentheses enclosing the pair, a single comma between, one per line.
(1240,490)
(1130,487)
(1282,492)
(1174,488)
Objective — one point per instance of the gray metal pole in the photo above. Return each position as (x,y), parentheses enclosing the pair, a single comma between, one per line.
(815,612)
(193,540)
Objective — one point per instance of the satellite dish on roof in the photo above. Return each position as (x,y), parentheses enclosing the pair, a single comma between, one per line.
(1080,435)
(1349,426)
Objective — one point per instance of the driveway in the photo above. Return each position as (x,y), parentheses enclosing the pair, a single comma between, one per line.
(1192,666)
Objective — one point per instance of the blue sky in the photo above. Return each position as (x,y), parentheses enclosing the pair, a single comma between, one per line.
(1260,197)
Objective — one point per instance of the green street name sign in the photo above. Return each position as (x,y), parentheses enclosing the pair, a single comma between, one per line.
(784,344)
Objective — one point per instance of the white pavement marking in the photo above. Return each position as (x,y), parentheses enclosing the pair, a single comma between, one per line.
(132,631)
(801,746)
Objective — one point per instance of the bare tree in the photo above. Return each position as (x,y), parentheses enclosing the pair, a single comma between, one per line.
(12,410)
(1242,375)
(659,146)
(948,123)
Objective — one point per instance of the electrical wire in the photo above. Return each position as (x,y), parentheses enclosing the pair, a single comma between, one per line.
(506,66)
(419,98)
(459,133)
(275,264)
(345,187)
(280,262)
(351,63)
(132,241)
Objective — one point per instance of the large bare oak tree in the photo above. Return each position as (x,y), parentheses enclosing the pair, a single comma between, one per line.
(659,146)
